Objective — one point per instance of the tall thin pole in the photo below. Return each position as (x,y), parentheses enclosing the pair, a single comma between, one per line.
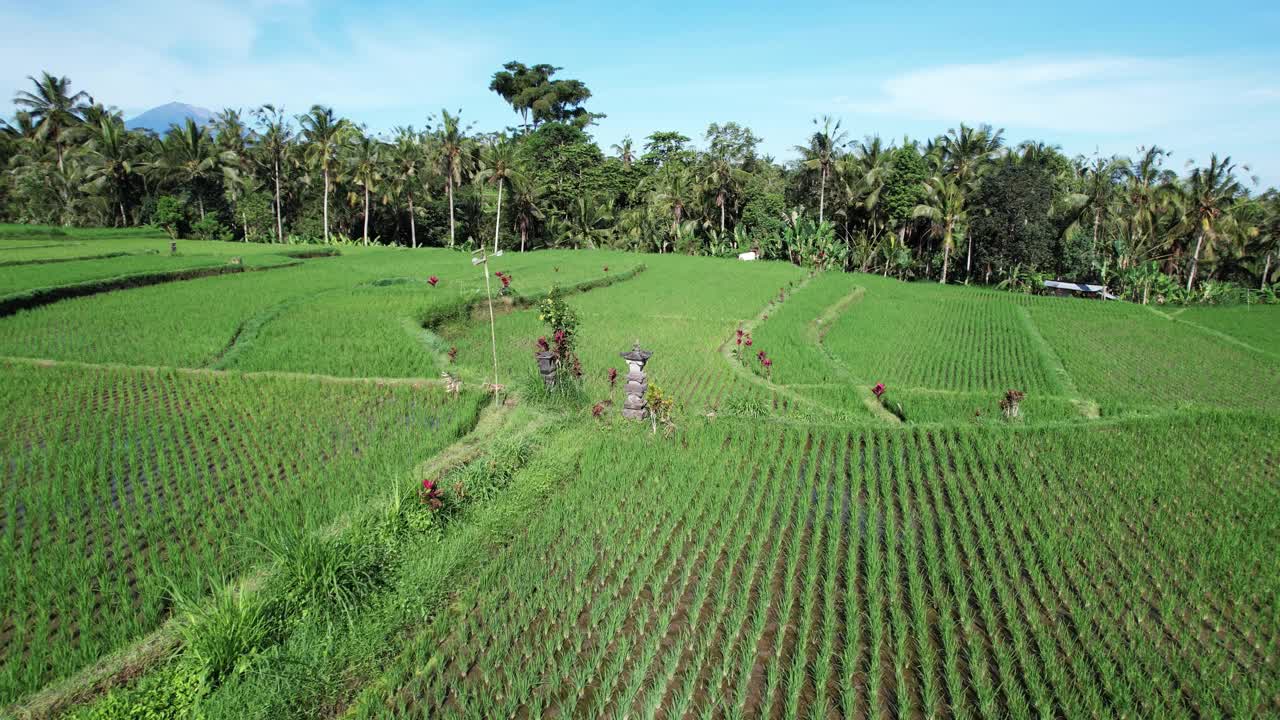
(493,334)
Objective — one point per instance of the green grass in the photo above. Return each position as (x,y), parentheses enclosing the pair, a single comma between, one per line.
(1122,354)
(947,571)
(1254,325)
(120,485)
(787,550)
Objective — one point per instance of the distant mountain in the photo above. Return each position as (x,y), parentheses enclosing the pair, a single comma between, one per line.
(158,119)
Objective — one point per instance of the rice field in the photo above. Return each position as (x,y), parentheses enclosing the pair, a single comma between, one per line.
(789,546)
(828,574)
(122,487)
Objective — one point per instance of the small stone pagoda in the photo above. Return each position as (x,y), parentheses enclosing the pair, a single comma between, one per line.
(635,408)
(547,367)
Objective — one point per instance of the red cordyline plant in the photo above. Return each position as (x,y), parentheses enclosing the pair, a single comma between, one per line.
(878,390)
(433,280)
(613,377)
(431,495)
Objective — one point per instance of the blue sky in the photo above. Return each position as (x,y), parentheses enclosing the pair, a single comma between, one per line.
(1191,77)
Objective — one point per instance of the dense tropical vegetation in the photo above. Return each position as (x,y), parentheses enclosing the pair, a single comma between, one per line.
(966,205)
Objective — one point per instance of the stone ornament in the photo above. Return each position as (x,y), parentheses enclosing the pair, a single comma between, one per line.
(635,406)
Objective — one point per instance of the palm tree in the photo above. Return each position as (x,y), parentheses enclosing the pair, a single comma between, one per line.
(324,133)
(673,194)
(1100,180)
(53,109)
(1270,236)
(1147,193)
(275,141)
(188,157)
(824,148)
(230,132)
(722,181)
(589,220)
(944,208)
(625,152)
(109,159)
(526,205)
(407,167)
(455,157)
(364,162)
(966,152)
(1209,193)
(497,165)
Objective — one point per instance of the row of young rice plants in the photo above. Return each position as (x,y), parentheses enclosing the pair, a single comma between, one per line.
(1123,354)
(684,309)
(375,330)
(17,278)
(27,244)
(188,324)
(937,337)
(1254,325)
(909,572)
(122,488)
(790,332)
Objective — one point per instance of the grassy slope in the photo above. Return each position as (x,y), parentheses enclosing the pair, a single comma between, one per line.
(946,351)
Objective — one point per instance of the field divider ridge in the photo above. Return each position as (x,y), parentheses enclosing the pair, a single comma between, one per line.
(38,297)
(727,352)
(1220,335)
(819,328)
(278,374)
(1088,408)
(136,659)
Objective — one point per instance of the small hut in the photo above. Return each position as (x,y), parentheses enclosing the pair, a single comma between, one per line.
(1070,289)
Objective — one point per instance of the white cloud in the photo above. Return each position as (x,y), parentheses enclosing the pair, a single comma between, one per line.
(218,54)
(1093,95)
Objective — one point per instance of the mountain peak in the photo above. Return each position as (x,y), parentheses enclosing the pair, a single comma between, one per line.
(159,118)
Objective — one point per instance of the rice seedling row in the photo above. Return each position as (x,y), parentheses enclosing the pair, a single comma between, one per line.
(887,572)
(161,479)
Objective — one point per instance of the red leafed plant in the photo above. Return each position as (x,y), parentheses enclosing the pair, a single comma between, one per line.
(613,377)
(431,495)
(433,280)
(878,390)
(453,355)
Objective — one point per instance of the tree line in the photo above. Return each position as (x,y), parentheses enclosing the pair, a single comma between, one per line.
(964,206)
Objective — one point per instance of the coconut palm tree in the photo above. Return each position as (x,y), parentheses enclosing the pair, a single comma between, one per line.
(1148,189)
(497,166)
(967,152)
(323,134)
(722,181)
(1209,193)
(407,168)
(673,194)
(944,209)
(526,205)
(274,141)
(1100,180)
(821,153)
(109,163)
(625,152)
(455,157)
(1269,242)
(53,109)
(589,221)
(364,163)
(188,157)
